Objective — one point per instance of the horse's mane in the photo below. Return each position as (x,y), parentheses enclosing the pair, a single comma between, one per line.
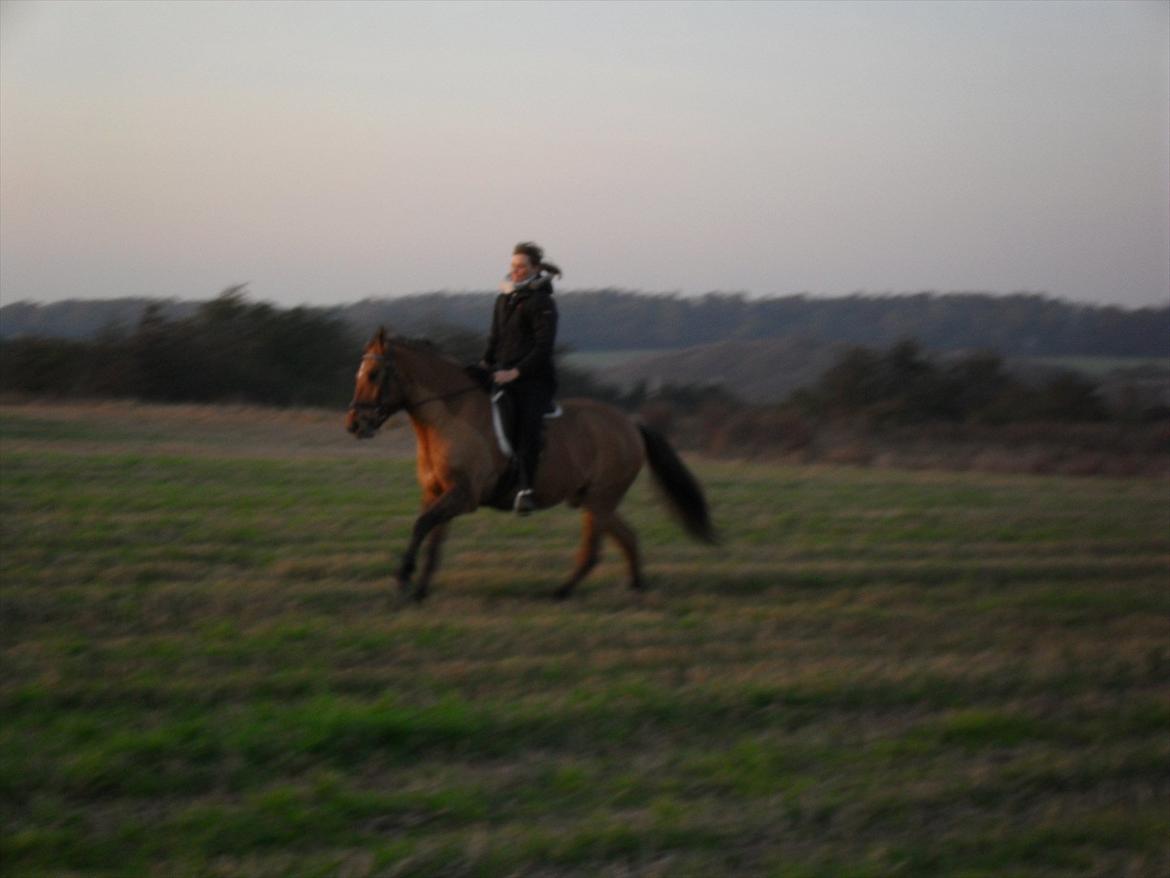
(423,345)
(429,348)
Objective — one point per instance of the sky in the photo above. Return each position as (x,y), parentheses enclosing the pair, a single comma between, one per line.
(329,152)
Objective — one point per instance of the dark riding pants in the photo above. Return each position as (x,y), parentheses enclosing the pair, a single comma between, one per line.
(530,400)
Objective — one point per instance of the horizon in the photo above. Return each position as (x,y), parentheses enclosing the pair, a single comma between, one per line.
(337,153)
(251,299)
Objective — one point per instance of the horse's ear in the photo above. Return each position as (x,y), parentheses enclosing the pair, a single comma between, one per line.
(380,338)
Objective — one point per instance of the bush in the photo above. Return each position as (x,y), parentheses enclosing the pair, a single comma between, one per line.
(903,386)
(229,350)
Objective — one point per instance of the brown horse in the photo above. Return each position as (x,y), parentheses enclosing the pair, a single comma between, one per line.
(592,454)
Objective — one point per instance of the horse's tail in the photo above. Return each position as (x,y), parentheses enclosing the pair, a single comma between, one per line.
(681,488)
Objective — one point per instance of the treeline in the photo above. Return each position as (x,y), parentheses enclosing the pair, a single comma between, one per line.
(227,350)
(902,385)
(1018,325)
(902,407)
(232,349)
(84,319)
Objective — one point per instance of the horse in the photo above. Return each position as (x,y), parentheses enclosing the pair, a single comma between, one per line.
(592,454)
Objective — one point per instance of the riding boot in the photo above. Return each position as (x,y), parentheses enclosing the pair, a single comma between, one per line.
(525,502)
(530,406)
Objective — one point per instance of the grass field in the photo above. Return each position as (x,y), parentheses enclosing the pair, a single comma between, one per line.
(879,674)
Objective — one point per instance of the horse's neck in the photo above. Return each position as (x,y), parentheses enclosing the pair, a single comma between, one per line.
(427,374)
(435,390)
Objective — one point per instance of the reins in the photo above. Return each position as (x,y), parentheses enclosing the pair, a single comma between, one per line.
(384,381)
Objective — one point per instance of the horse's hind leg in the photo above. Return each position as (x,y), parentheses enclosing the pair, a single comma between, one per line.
(628,540)
(587,555)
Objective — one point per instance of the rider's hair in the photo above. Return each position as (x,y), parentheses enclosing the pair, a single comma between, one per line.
(535,254)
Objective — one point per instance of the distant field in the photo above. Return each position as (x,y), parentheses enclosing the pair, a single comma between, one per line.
(1100,366)
(1093,366)
(881,673)
(592,361)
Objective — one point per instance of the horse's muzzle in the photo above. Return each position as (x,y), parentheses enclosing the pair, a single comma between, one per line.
(358,426)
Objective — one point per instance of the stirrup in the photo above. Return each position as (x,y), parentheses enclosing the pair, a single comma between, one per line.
(524,502)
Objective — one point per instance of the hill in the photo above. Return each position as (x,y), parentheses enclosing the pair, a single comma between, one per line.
(767,371)
(761,371)
(80,319)
(1017,325)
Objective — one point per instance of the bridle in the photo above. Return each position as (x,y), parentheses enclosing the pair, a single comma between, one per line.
(381,408)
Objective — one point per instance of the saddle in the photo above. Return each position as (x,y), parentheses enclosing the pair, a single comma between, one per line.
(502,417)
(504,494)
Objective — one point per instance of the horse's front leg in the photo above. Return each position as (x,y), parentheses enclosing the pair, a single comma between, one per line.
(452,502)
(434,548)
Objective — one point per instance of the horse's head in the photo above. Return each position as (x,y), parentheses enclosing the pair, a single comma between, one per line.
(377,393)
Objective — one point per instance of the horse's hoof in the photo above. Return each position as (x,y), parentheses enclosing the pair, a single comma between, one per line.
(406,569)
(563,593)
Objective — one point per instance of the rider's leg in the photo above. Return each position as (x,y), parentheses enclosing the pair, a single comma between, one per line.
(531,403)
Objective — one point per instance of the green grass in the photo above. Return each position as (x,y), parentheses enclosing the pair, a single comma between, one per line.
(205,670)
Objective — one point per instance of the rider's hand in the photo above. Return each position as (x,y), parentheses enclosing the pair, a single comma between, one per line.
(506,375)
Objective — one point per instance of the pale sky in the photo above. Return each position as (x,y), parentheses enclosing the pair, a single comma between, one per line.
(328,152)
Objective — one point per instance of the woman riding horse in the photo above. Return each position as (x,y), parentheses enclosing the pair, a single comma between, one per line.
(520,356)
(592,455)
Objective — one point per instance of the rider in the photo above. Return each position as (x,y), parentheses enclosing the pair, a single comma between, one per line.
(520,355)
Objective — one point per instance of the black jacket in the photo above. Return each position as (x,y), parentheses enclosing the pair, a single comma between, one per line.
(524,330)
